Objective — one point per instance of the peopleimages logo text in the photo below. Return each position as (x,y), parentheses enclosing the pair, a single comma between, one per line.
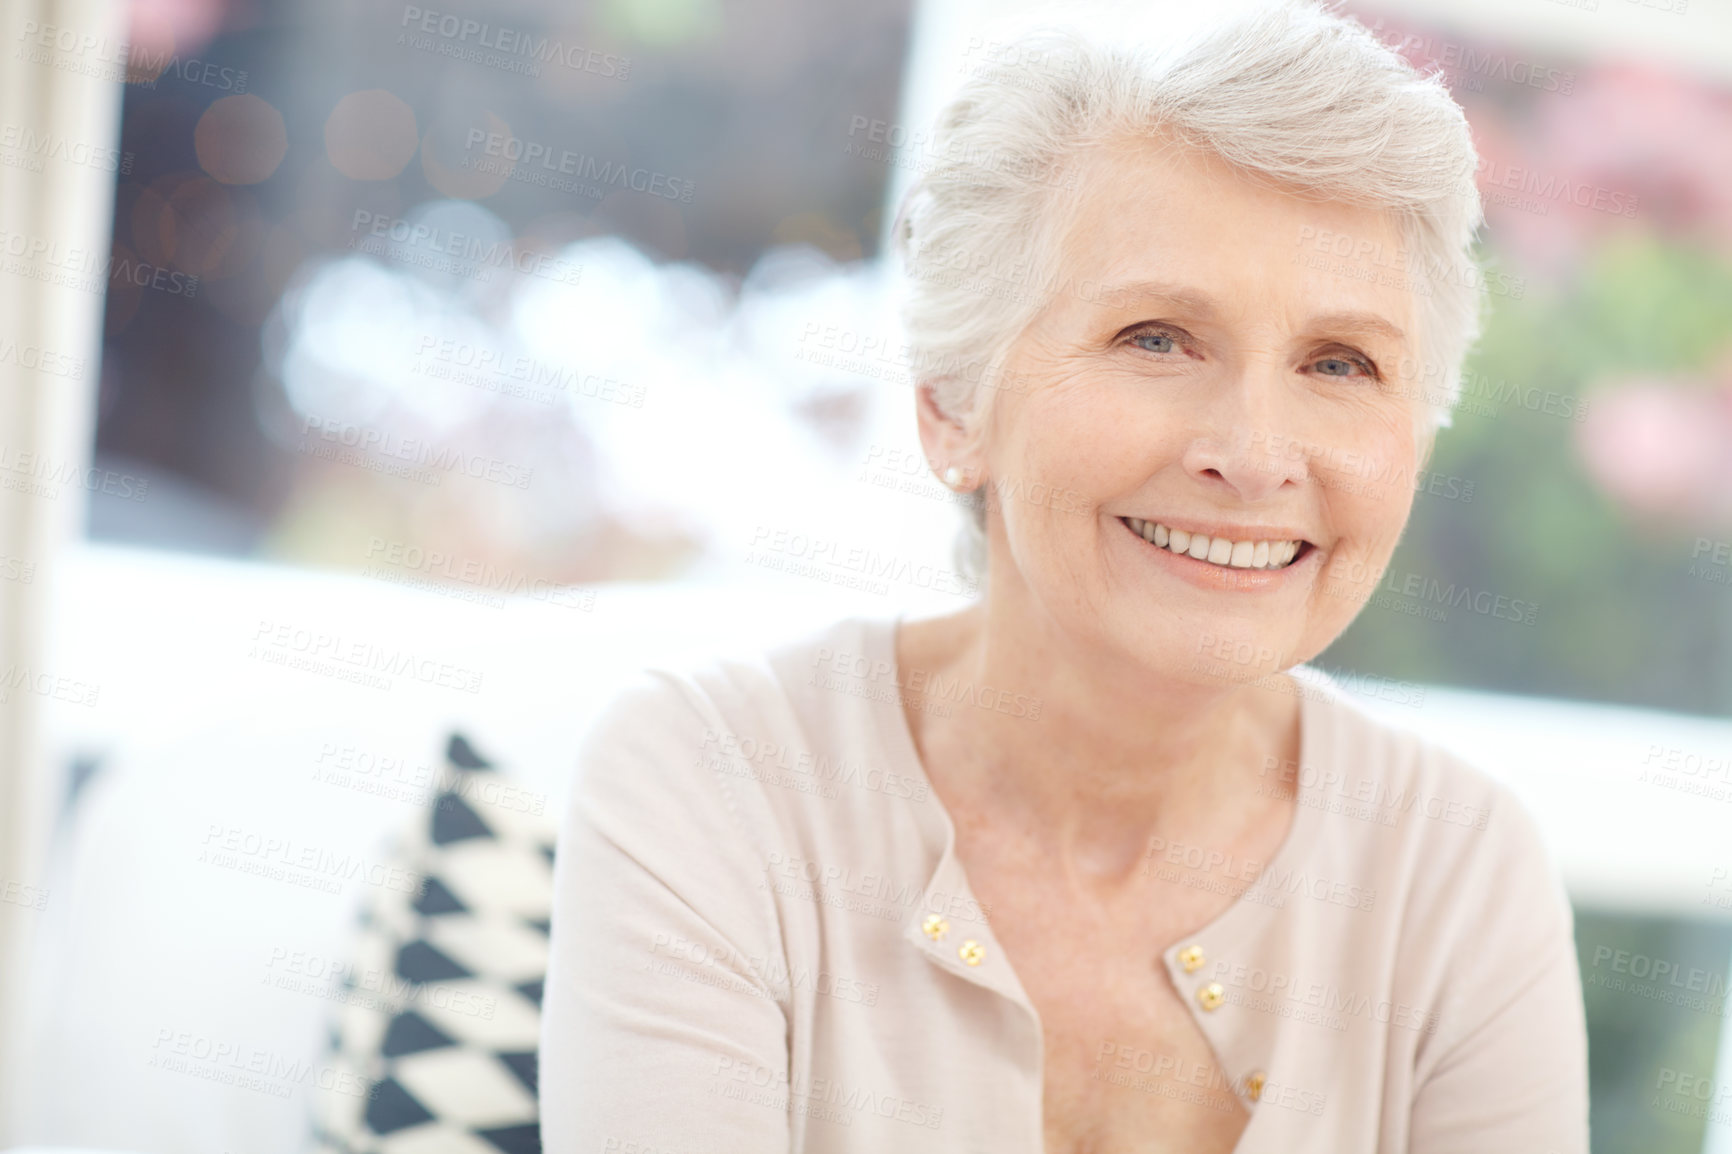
(478,251)
(417,451)
(37,145)
(526,47)
(504,146)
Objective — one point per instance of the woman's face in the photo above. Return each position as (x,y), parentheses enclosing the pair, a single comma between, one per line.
(1198,373)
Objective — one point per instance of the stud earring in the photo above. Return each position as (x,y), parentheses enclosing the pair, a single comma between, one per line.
(952,476)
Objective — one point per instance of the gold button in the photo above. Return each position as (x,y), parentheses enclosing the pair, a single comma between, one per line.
(1254,1084)
(935,926)
(972,952)
(1211,996)
(1191,957)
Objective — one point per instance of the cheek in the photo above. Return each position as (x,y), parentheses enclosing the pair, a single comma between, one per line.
(1086,440)
(1038,442)
(1393,501)
(1374,533)
(1368,508)
(1054,461)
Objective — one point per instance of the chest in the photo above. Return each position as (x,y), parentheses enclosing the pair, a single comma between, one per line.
(1126,1066)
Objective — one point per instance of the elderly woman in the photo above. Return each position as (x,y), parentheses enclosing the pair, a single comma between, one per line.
(1095,864)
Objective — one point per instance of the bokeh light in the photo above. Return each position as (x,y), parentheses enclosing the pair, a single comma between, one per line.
(371,135)
(241,139)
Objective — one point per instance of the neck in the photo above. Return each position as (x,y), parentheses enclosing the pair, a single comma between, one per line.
(1118,756)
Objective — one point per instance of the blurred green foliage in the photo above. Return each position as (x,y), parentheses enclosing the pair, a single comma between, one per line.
(1636,1037)
(1619,617)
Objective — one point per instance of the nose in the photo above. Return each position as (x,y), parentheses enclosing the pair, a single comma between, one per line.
(1244,444)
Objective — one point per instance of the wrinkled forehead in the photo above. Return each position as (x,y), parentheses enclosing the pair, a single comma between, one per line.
(1152,221)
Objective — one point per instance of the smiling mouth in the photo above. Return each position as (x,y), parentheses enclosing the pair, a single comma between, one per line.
(1219,551)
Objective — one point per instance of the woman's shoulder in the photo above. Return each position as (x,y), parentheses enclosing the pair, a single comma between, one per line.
(738,720)
(1468,892)
(733,684)
(1456,846)
(1380,766)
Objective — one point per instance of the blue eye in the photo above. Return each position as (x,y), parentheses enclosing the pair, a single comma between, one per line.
(1341,367)
(1154,342)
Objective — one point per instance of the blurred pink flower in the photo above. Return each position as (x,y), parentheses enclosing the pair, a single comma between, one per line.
(1630,147)
(1661,447)
(167,26)
(1603,145)
(1661,136)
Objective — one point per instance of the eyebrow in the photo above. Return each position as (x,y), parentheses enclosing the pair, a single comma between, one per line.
(1197,301)
(1358,322)
(1194,299)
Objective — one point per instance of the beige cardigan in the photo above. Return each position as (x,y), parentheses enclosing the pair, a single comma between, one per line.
(741,965)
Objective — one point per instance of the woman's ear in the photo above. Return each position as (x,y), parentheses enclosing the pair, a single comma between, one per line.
(950,449)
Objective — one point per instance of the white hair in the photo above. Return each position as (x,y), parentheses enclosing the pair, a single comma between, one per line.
(1291,94)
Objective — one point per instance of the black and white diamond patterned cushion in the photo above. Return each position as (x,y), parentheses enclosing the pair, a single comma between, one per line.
(440,1014)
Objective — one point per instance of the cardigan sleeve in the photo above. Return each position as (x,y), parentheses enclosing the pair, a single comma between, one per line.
(1510,1072)
(663,1027)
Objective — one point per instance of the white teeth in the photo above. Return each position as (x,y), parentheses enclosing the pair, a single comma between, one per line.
(1217,551)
